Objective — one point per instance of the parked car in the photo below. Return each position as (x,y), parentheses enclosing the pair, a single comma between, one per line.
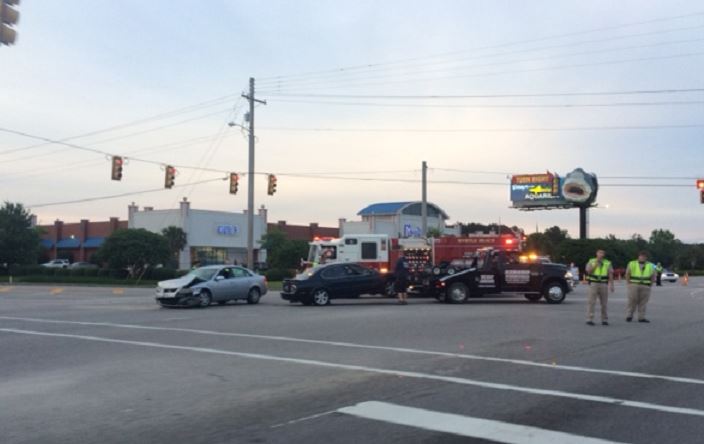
(83,265)
(214,283)
(319,285)
(669,276)
(57,263)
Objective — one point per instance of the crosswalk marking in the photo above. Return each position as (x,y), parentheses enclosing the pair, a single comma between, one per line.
(382,371)
(497,431)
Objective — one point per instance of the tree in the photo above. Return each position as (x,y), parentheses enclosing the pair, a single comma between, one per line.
(547,242)
(19,242)
(664,246)
(134,250)
(434,232)
(283,253)
(177,240)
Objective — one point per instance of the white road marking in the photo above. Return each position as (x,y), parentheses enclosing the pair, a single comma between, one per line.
(305,418)
(399,373)
(495,431)
(375,347)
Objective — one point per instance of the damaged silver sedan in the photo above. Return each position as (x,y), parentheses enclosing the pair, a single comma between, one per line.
(215,283)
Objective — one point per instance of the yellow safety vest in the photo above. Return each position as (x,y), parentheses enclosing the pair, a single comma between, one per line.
(599,274)
(638,276)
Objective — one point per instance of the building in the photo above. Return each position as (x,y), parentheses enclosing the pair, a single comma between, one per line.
(304,232)
(77,241)
(214,237)
(398,219)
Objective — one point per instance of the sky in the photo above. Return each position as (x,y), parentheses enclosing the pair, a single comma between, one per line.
(165,78)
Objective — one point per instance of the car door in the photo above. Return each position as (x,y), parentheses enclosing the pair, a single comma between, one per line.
(366,281)
(336,280)
(222,284)
(241,283)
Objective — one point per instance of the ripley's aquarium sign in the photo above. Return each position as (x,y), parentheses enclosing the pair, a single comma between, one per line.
(548,190)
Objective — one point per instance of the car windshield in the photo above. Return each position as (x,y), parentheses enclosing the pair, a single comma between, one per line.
(204,274)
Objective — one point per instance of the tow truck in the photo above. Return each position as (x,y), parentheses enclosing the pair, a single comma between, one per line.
(498,271)
(428,259)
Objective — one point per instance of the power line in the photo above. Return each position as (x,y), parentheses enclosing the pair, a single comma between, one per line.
(451,69)
(529,106)
(178,111)
(514,71)
(485,130)
(130,193)
(513,43)
(111,139)
(491,96)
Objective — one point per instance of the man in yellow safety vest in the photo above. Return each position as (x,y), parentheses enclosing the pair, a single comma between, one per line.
(600,275)
(640,276)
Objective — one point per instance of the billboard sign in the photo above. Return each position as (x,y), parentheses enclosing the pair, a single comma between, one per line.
(548,190)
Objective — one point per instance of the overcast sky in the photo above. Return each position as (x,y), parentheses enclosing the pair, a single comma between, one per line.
(83,66)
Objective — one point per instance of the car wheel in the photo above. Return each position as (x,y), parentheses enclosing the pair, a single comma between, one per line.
(204,299)
(389,289)
(321,297)
(554,293)
(253,296)
(451,271)
(533,297)
(457,293)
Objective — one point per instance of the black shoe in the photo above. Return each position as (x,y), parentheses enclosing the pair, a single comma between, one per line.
(629,319)
(645,321)
(590,322)
(604,323)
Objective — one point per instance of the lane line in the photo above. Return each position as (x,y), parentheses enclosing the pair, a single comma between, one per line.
(305,418)
(495,431)
(375,347)
(382,371)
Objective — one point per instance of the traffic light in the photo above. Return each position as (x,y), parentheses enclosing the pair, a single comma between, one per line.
(170,176)
(700,184)
(8,18)
(271,189)
(117,163)
(234,182)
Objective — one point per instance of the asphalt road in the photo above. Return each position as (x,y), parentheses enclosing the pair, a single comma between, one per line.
(104,365)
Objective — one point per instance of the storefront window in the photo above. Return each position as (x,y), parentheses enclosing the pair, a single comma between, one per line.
(208,256)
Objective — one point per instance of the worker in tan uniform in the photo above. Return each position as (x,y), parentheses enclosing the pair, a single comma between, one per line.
(600,275)
(640,276)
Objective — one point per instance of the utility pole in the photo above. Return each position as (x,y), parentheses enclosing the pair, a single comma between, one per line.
(250,175)
(424,204)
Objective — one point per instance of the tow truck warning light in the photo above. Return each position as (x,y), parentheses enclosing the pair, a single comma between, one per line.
(700,184)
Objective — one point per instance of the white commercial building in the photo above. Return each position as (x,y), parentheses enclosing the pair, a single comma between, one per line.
(214,237)
(398,220)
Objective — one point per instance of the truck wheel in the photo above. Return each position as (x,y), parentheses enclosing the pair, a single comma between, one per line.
(389,289)
(533,297)
(457,293)
(554,292)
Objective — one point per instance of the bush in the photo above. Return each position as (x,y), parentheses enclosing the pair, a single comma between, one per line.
(90,272)
(103,273)
(161,274)
(77,272)
(278,274)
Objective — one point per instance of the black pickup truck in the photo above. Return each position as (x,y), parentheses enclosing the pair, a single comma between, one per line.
(496,271)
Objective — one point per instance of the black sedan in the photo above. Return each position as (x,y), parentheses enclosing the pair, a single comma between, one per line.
(317,286)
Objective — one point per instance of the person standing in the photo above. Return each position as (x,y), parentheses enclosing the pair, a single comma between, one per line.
(658,271)
(574,271)
(600,275)
(640,276)
(401,279)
